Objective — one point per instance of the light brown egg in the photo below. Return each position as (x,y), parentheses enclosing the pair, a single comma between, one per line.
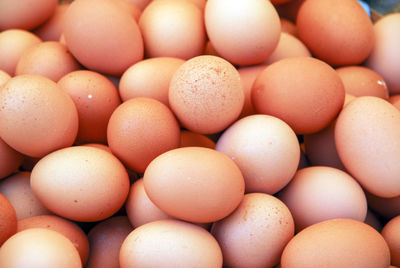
(105,241)
(81,183)
(65,227)
(206,94)
(141,129)
(321,193)
(288,27)
(189,139)
(13,43)
(337,32)
(337,243)
(255,234)
(52,28)
(391,233)
(8,220)
(4,77)
(141,4)
(133,9)
(9,158)
(36,115)
(265,149)
(304,92)
(170,243)
(367,137)
(395,100)
(173,28)
(103,37)
(243,32)
(49,59)
(149,78)
(17,189)
(95,98)
(38,247)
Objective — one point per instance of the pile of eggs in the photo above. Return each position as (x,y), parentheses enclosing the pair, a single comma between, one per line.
(195,133)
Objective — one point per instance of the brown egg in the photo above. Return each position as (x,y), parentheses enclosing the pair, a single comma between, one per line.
(337,32)
(51,29)
(243,32)
(9,158)
(140,208)
(81,183)
(385,56)
(206,94)
(395,100)
(25,14)
(17,189)
(133,9)
(372,220)
(105,241)
(13,43)
(38,247)
(210,50)
(386,207)
(255,234)
(391,233)
(8,221)
(141,129)
(49,59)
(95,98)
(321,193)
(190,139)
(141,4)
(170,243)
(337,243)
(288,27)
(173,28)
(4,77)
(265,149)
(103,37)
(65,227)
(149,78)
(361,81)
(194,184)
(304,92)
(36,115)
(367,136)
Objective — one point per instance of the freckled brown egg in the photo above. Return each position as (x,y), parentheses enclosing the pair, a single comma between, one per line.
(13,43)
(65,227)
(25,14)
(265,149)
(81,183)
(173,29)
(95,98)
(103,37)
(206,94)
(243,32)
(105,241)
(17,189)
(9,158)
(255,234)
(132,9)
(304,92)
(336,243)
(149,78)
(51,30)
(194,184)
(49,59)
(170,243)
(391,233)
(8,220)
(337,32)
(36,115)
(367,137)
(139,130)
(38,247)
(189,139)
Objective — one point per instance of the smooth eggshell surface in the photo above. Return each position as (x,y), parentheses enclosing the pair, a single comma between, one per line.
(8,220)
(391,233)
(9,158)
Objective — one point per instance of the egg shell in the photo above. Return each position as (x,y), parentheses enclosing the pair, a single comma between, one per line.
(190,139)
(141,4)
(170,243)
(36,115)
(141,129)
(17,189)
(52,28)
(265,149)
(206,94)
(304,92)
(321,193)
(9,158)
(395,100)
(255,234)
(65,227)
(39,248)
(243,32)
(105,240)
(391,233)
(103,37)
(4,77)
(289,27)
(95,98)
(81,183)
(326,27)
(133,9)
(8,220)
(367,137)
(194,184)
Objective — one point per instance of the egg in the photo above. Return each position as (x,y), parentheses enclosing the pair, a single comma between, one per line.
(9,158)
(189,139)
(288,27)
(4,77)
(395,100)
(8,220)
(391,233)
(52,28)
(36,115)
(194,184)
